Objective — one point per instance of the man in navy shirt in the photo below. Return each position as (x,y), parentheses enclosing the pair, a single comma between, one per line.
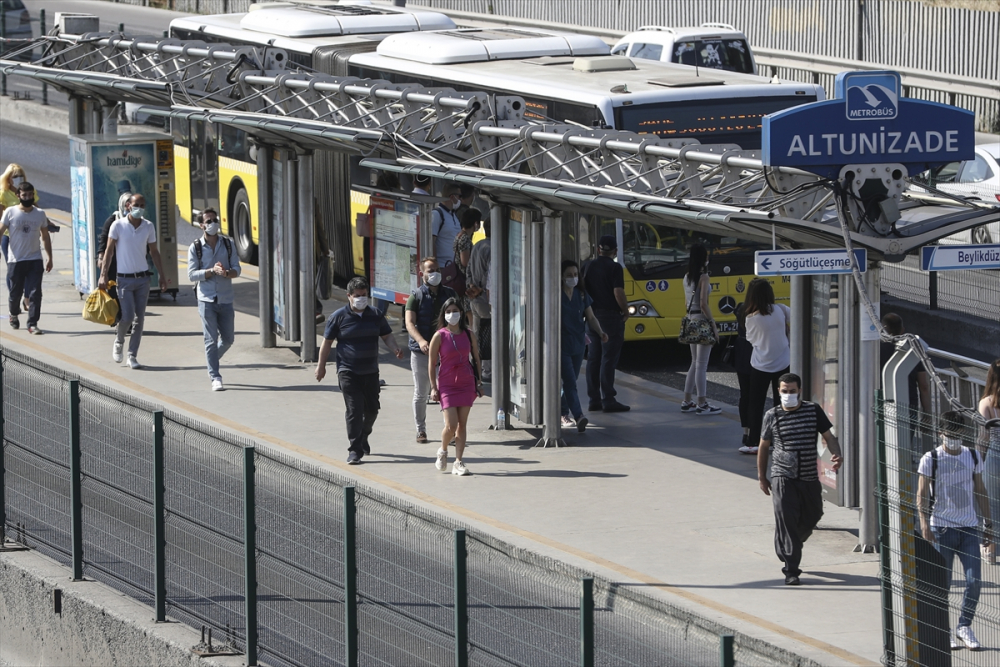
(605,283)
(357,328)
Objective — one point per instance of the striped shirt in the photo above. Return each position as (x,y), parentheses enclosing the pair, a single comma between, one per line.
(357,336)
(796,431)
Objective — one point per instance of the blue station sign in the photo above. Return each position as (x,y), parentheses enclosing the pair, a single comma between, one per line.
(807,262)
(868,122)
(959,257)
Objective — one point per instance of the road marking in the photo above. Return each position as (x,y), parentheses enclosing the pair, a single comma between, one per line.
(212,417)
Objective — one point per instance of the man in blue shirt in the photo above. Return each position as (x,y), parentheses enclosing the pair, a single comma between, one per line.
(212,265)
(357,328)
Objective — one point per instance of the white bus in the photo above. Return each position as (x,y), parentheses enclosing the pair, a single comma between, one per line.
(574,79)
(214,166)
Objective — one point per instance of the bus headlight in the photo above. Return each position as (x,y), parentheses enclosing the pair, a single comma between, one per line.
(642,309)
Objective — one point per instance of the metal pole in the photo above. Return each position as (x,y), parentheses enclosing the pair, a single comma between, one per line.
(801,318)
(847,313)
(885,556)
(551,291)
(587,622)
(290,247)
(159,521)
(250,552)
(75,492)
(41,32)
(932,289)
(534,367)
(461,603)
(76,112)
(350,579)
(110,122)
(265,265)
(500,320)
(3,35)
(3,469)
(726,656)
(868,377)
(307,259)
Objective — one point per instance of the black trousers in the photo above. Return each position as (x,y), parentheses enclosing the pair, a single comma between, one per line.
(744,380)
(602,359)
(25,279)
(361,399)
(759,382)
(798,507)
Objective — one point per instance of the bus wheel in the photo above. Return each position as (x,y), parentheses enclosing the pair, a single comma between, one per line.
(242,229)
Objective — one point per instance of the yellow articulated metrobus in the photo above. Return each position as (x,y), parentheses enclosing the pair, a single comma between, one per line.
(215,164)
(566,78)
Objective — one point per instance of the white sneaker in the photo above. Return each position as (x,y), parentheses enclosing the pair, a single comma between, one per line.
(458,468)
(567,422)
(688,406)
(708,409)
(133,363)
(967,637)
(116,352)
(442,460)
(747,449)
(217,385)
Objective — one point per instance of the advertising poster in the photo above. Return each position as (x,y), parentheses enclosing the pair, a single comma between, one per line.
(394,269)
(277,232)
(518,314)
(824,369)
(79,185)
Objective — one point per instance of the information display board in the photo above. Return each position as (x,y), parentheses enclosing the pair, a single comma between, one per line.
(394,251)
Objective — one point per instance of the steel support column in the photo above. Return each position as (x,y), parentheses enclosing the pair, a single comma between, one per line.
(551,325)
(534,368)
(847,387)
(77,122)
(800,339)
(109,125)
(265,261)
(307,259)
(868,378)
(500,312)
(290,246)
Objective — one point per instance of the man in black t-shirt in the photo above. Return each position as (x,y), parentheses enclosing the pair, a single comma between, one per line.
(797,494)
(604,281)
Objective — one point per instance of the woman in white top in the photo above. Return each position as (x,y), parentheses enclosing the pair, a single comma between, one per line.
(768,326)
(989,443)
(697,287)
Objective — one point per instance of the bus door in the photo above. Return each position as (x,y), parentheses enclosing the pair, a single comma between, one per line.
(204,156)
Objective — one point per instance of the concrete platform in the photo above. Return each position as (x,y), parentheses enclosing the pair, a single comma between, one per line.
(651,498)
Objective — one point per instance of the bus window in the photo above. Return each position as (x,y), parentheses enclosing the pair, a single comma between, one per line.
(728,54)
(233,143)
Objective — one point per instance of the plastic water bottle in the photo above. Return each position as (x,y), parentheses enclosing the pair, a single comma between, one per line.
(501,420)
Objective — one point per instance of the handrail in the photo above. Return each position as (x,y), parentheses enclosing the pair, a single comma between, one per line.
(957,358)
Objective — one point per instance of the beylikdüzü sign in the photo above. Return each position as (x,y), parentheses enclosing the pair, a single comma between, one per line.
(868,123)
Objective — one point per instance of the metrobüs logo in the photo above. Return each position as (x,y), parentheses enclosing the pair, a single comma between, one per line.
(872,96)
(125,160)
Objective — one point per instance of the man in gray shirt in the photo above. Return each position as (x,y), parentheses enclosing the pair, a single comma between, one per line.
(28,227)
(212,265)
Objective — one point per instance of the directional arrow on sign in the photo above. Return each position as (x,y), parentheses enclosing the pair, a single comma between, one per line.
(766,263)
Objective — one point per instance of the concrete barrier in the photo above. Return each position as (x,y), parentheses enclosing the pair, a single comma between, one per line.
(34,114)
(94,624)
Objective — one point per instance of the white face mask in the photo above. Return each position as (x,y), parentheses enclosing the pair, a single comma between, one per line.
(360,302)
(434,278)
(452,318)
(137,212)
(212,228)
(789,400)
(17,180)
(952,444)
(571,282)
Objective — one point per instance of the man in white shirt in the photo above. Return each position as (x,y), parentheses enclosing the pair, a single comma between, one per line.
(445,225)
(28,227)
(948,493)
(130,237)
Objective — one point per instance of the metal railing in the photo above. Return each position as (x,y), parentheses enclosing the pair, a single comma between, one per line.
(973,292)
(292,565)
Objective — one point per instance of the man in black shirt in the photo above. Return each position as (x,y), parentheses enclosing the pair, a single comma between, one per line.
(797,494)
(604,281)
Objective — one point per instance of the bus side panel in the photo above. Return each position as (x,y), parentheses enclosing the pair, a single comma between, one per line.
(360,201)
(182,181)
(234,174)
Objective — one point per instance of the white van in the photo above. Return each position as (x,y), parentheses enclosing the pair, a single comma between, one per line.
(712,45)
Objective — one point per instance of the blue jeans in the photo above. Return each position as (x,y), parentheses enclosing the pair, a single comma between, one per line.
(217,325)
(570,395)
(964,543)
(133,294)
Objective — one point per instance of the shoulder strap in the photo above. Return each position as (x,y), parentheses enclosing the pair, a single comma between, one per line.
(440,209)
(694,292)
(197,251)
(975,459)
(229,250)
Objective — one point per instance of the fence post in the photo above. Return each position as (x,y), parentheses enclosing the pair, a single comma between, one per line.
(726,656)
(121,28)
(3,469)
(41,33)
(932,289)
(76,491)
(885,575)
(587,622)
(350,579)
(250,552)
(159,519)
(461,603)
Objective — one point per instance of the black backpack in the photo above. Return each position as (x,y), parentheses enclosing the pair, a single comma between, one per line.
(229,253)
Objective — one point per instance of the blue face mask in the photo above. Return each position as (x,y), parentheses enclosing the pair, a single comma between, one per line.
(137,212)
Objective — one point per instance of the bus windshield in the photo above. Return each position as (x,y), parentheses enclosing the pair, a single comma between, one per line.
(714,121)
(656,251)
(727,54)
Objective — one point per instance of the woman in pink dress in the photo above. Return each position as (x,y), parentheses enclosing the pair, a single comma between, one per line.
(456,383)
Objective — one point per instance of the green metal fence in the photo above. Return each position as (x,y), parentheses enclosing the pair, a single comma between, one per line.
(922,594)
(289,564)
